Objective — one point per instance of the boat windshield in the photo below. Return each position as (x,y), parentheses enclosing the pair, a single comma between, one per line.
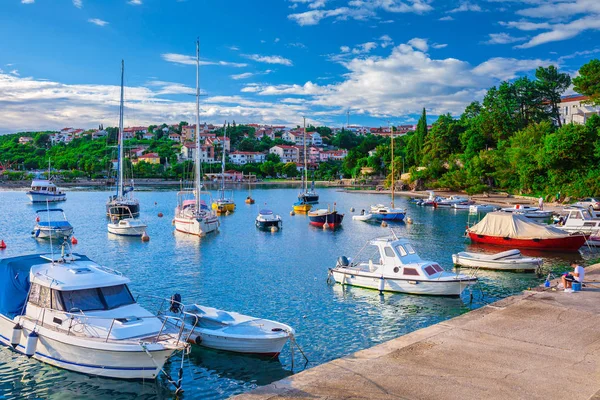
(409,248)
(96,299)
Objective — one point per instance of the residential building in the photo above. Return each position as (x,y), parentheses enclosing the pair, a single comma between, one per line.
(188,132)
(188,152)
(286,153)
(148,135)
(176,137)
(246,157)
(25,139)
(262,132)
(219,141)
(333,155)
(573,111)
(229,175)
(404,129)
(99,133)
(297,137)
(150,158)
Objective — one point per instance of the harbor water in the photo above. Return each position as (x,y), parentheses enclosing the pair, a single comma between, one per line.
(280,276)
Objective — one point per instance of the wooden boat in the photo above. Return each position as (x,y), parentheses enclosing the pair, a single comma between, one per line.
(392,264)
(510,260)
(249,200)
(323,216)
(302,207)
(516,231)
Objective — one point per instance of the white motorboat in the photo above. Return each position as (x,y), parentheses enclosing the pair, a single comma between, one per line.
(578,219)
(481,208)
(461,206)
(51,224)
(192,215)
(43,191)
(510,260)
(70,312)
(230,331)
(125,226)
(395,266)
(451,201)
(267,220)
(363,217)
(528,211)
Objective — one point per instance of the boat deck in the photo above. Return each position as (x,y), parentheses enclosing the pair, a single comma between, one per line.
(542,344)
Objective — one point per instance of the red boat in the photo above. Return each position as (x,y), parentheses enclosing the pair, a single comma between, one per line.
(321,217)
(516,231)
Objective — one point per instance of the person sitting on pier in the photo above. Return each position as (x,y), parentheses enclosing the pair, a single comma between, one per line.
(577,275)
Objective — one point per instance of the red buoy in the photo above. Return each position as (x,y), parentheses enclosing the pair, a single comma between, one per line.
(160,215)
(2,244)
(145,237)
(74,240)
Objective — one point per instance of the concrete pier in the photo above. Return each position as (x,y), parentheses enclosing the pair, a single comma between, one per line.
(542,344)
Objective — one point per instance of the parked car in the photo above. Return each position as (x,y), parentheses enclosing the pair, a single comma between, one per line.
(589,202)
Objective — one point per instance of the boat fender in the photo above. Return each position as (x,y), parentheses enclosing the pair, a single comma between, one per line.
(352,209)
(31,344)
(15,338)
(384,224)
(175,306)
(381,284)
(37,233)
(343,261)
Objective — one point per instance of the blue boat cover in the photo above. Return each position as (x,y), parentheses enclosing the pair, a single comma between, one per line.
(57,224)
(265,212)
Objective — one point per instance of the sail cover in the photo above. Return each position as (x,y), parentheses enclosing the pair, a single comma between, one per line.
(14,283)
(515,226)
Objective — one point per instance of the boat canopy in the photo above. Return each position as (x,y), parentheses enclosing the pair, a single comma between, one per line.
(42,182)
(50,210)
(14,284)
(514,226)
(265,212)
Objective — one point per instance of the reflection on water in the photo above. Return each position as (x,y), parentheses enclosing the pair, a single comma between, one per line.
(280,276)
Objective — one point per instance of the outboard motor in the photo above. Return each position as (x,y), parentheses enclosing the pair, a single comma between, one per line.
(343,261)
(175,306)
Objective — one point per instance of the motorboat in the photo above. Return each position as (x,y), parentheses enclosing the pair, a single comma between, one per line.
(325,218)
(224,203)
(383,213)
(229,331)
(430,201)
(267,220)
(451,201)
(192,214)
(70,312)
(461,206)
(310,197)
(51,224)
(302,207)
(516,231)
(363,216)
(578,219)
(45,191)
(128,226)
(528,211)
(482,208)
(393,265)
(510,260)
(123,199)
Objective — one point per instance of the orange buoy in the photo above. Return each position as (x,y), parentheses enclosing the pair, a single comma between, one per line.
(160,215)
(145,237)
(2,244)
(37,218)
(74,240)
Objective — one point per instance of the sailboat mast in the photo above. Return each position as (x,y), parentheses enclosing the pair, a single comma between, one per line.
(392,137)
(223,162)
(305,163)
(121,107)
(198,169)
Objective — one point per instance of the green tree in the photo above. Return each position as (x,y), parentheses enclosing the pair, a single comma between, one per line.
(588,81)
(551,84)
(290,170)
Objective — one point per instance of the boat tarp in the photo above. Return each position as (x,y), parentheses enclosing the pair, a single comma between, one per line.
(14,283)
(514,226)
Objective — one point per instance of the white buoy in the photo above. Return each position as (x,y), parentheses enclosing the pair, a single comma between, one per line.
(325,226)
(292,213)
(352,209)
(384,224)
(145,237)
(409,220)
(31,345)
(15,338)
(381,284)
(274,228)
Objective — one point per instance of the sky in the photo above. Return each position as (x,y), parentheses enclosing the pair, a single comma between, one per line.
(275,61)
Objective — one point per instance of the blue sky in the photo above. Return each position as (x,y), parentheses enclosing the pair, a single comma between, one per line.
(273,61)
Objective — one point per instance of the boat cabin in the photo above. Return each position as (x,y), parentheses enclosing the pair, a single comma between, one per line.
(580,219)
(394,257)
(45,186)
(73,294)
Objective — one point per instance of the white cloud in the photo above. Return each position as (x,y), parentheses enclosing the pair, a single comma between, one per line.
(386,41)
(276,40)
(561,9)
(33,104)
(312,4)
(508,68)
(559,32)
(503,38)
(419,44)
(27,1)
(297,45)
(97,21)
(14,72)
(234,48)
(245,75)
(446,18)
(269,59)
(191,60)
(164,88)
(439,45)
(345,49)
(361,10)
(77,3)
(466,6)
(135,2)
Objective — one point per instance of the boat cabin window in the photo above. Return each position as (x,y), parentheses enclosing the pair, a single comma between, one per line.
(96,299)
(437,268)
(401,250)
(411,271)
(409,248)
(575,215)
(430,270)
(45,297)
(389,252)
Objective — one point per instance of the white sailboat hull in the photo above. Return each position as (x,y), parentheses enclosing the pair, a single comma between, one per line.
(92,357)
(421,287)
(196,226)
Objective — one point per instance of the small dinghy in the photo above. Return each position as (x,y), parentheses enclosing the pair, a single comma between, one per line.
(51,224)
(510,260)
(480,208)
(363,217)
(231,331)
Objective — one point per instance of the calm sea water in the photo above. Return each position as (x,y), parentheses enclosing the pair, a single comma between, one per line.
(280,276)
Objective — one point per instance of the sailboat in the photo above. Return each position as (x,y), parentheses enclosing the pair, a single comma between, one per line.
(384,213)
(123,201)
(224,203)
(307,196)
(192,215)
(303,205)
(249,199)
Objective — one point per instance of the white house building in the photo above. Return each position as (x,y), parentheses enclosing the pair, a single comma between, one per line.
(573,111)
(286,153)
(246,157)
(188,152)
